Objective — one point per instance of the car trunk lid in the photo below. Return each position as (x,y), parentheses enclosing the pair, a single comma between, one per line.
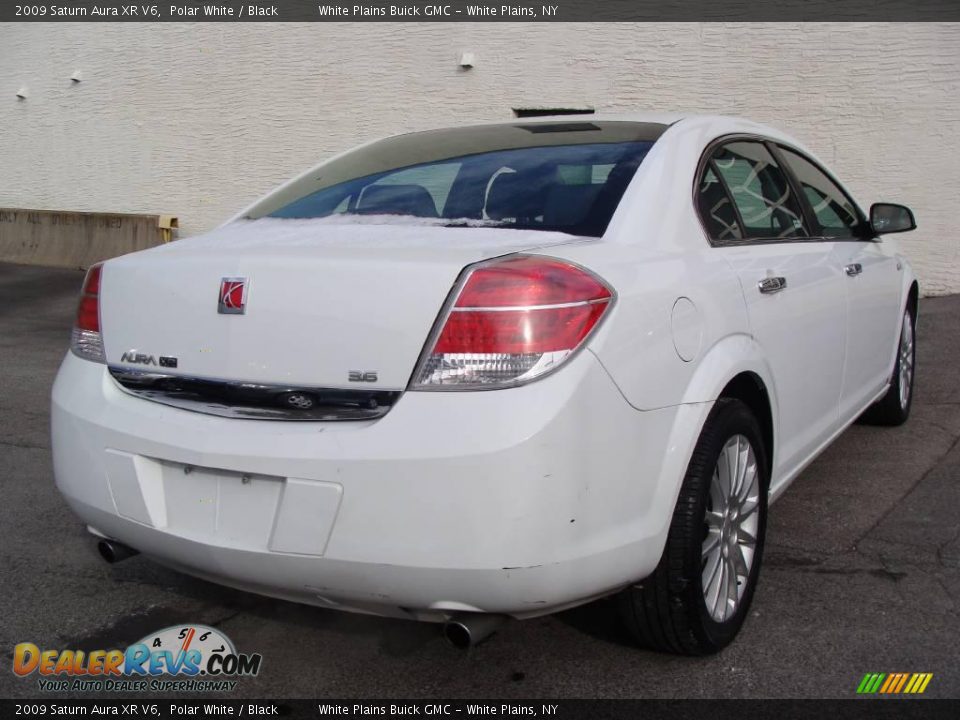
(327,304)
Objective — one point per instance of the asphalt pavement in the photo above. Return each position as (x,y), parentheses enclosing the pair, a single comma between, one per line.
(861,574)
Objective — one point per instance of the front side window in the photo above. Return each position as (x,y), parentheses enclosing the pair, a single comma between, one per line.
(765,207)
(567,177)
(834,210)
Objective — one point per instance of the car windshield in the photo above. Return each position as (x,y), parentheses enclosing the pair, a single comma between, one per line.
(566,177)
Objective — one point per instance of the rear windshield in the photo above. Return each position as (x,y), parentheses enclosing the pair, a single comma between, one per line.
(566,177)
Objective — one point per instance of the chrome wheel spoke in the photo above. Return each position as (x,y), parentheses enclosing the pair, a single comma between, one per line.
(745,537)
(746,494)
(737,453)
(732,590)
(740,562)
(720,600)
(749,507)
(717,499)
(711,544)
(745,466)
(713,577)
(723,477)
(732,450)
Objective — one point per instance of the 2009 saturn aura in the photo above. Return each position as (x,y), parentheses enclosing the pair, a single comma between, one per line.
(493,371)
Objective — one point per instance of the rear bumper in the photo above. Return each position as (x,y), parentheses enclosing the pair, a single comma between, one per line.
(520,501)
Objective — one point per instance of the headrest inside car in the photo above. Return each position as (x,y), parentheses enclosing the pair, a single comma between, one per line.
(397,200)
(569,205)
(515,196)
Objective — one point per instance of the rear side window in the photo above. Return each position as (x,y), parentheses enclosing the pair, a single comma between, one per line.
(835,212)
(766,207)
(717,210)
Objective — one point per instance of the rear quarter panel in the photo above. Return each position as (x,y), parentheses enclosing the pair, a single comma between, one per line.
(680,325)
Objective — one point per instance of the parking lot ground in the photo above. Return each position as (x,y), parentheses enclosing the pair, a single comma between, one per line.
(861,574)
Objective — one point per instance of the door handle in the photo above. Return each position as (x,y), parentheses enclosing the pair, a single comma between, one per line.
(771,285)
(853,269)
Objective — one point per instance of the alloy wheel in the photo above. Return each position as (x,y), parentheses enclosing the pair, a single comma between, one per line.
(732,523)
(906,360)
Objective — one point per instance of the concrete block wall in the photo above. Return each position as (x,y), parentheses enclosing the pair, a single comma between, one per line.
(198,120)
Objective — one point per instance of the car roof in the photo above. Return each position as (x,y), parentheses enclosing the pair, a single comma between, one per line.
(662,118)
(645,116)
(712,124)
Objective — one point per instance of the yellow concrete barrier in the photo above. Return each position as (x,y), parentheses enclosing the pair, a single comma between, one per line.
(77,239)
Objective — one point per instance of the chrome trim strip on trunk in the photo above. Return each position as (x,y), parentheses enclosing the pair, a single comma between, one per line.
(254,401)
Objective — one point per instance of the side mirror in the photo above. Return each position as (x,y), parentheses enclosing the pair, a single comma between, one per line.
(886,218)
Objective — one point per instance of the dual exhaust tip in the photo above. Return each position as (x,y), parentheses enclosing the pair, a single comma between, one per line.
(463,630)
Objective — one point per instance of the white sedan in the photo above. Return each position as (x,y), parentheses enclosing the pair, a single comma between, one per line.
(492,371)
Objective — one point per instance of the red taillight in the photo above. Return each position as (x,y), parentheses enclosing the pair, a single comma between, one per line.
(518,331)
(513,320)
(86,341)
(91,285)
(529,282)
(88,311)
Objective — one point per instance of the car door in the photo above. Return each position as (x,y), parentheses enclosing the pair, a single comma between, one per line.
(872,282)
(794,293)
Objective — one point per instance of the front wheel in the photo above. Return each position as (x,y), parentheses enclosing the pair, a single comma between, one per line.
(698,597)
(894,407)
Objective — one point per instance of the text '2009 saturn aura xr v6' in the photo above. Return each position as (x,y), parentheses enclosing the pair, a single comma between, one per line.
(492,371)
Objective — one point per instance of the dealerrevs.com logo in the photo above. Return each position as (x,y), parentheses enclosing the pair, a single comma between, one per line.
(180,658)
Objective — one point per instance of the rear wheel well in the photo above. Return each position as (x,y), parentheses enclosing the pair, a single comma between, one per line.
(749,389)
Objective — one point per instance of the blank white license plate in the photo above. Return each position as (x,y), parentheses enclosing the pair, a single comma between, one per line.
(222,507)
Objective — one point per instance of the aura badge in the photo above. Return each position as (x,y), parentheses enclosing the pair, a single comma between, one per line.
(233,296)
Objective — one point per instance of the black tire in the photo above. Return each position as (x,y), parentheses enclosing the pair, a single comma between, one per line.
(891,410)
(667,611)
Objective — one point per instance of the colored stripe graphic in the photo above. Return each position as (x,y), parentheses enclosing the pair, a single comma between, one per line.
(894,683)
(903,680)
(870,683)
(892,679)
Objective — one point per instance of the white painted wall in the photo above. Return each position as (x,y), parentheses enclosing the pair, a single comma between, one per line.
(197,120)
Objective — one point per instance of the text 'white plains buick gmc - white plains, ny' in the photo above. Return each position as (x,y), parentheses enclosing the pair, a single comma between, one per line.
(492,371)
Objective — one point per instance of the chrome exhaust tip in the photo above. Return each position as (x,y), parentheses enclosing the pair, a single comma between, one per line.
(465,630)
(113,551)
